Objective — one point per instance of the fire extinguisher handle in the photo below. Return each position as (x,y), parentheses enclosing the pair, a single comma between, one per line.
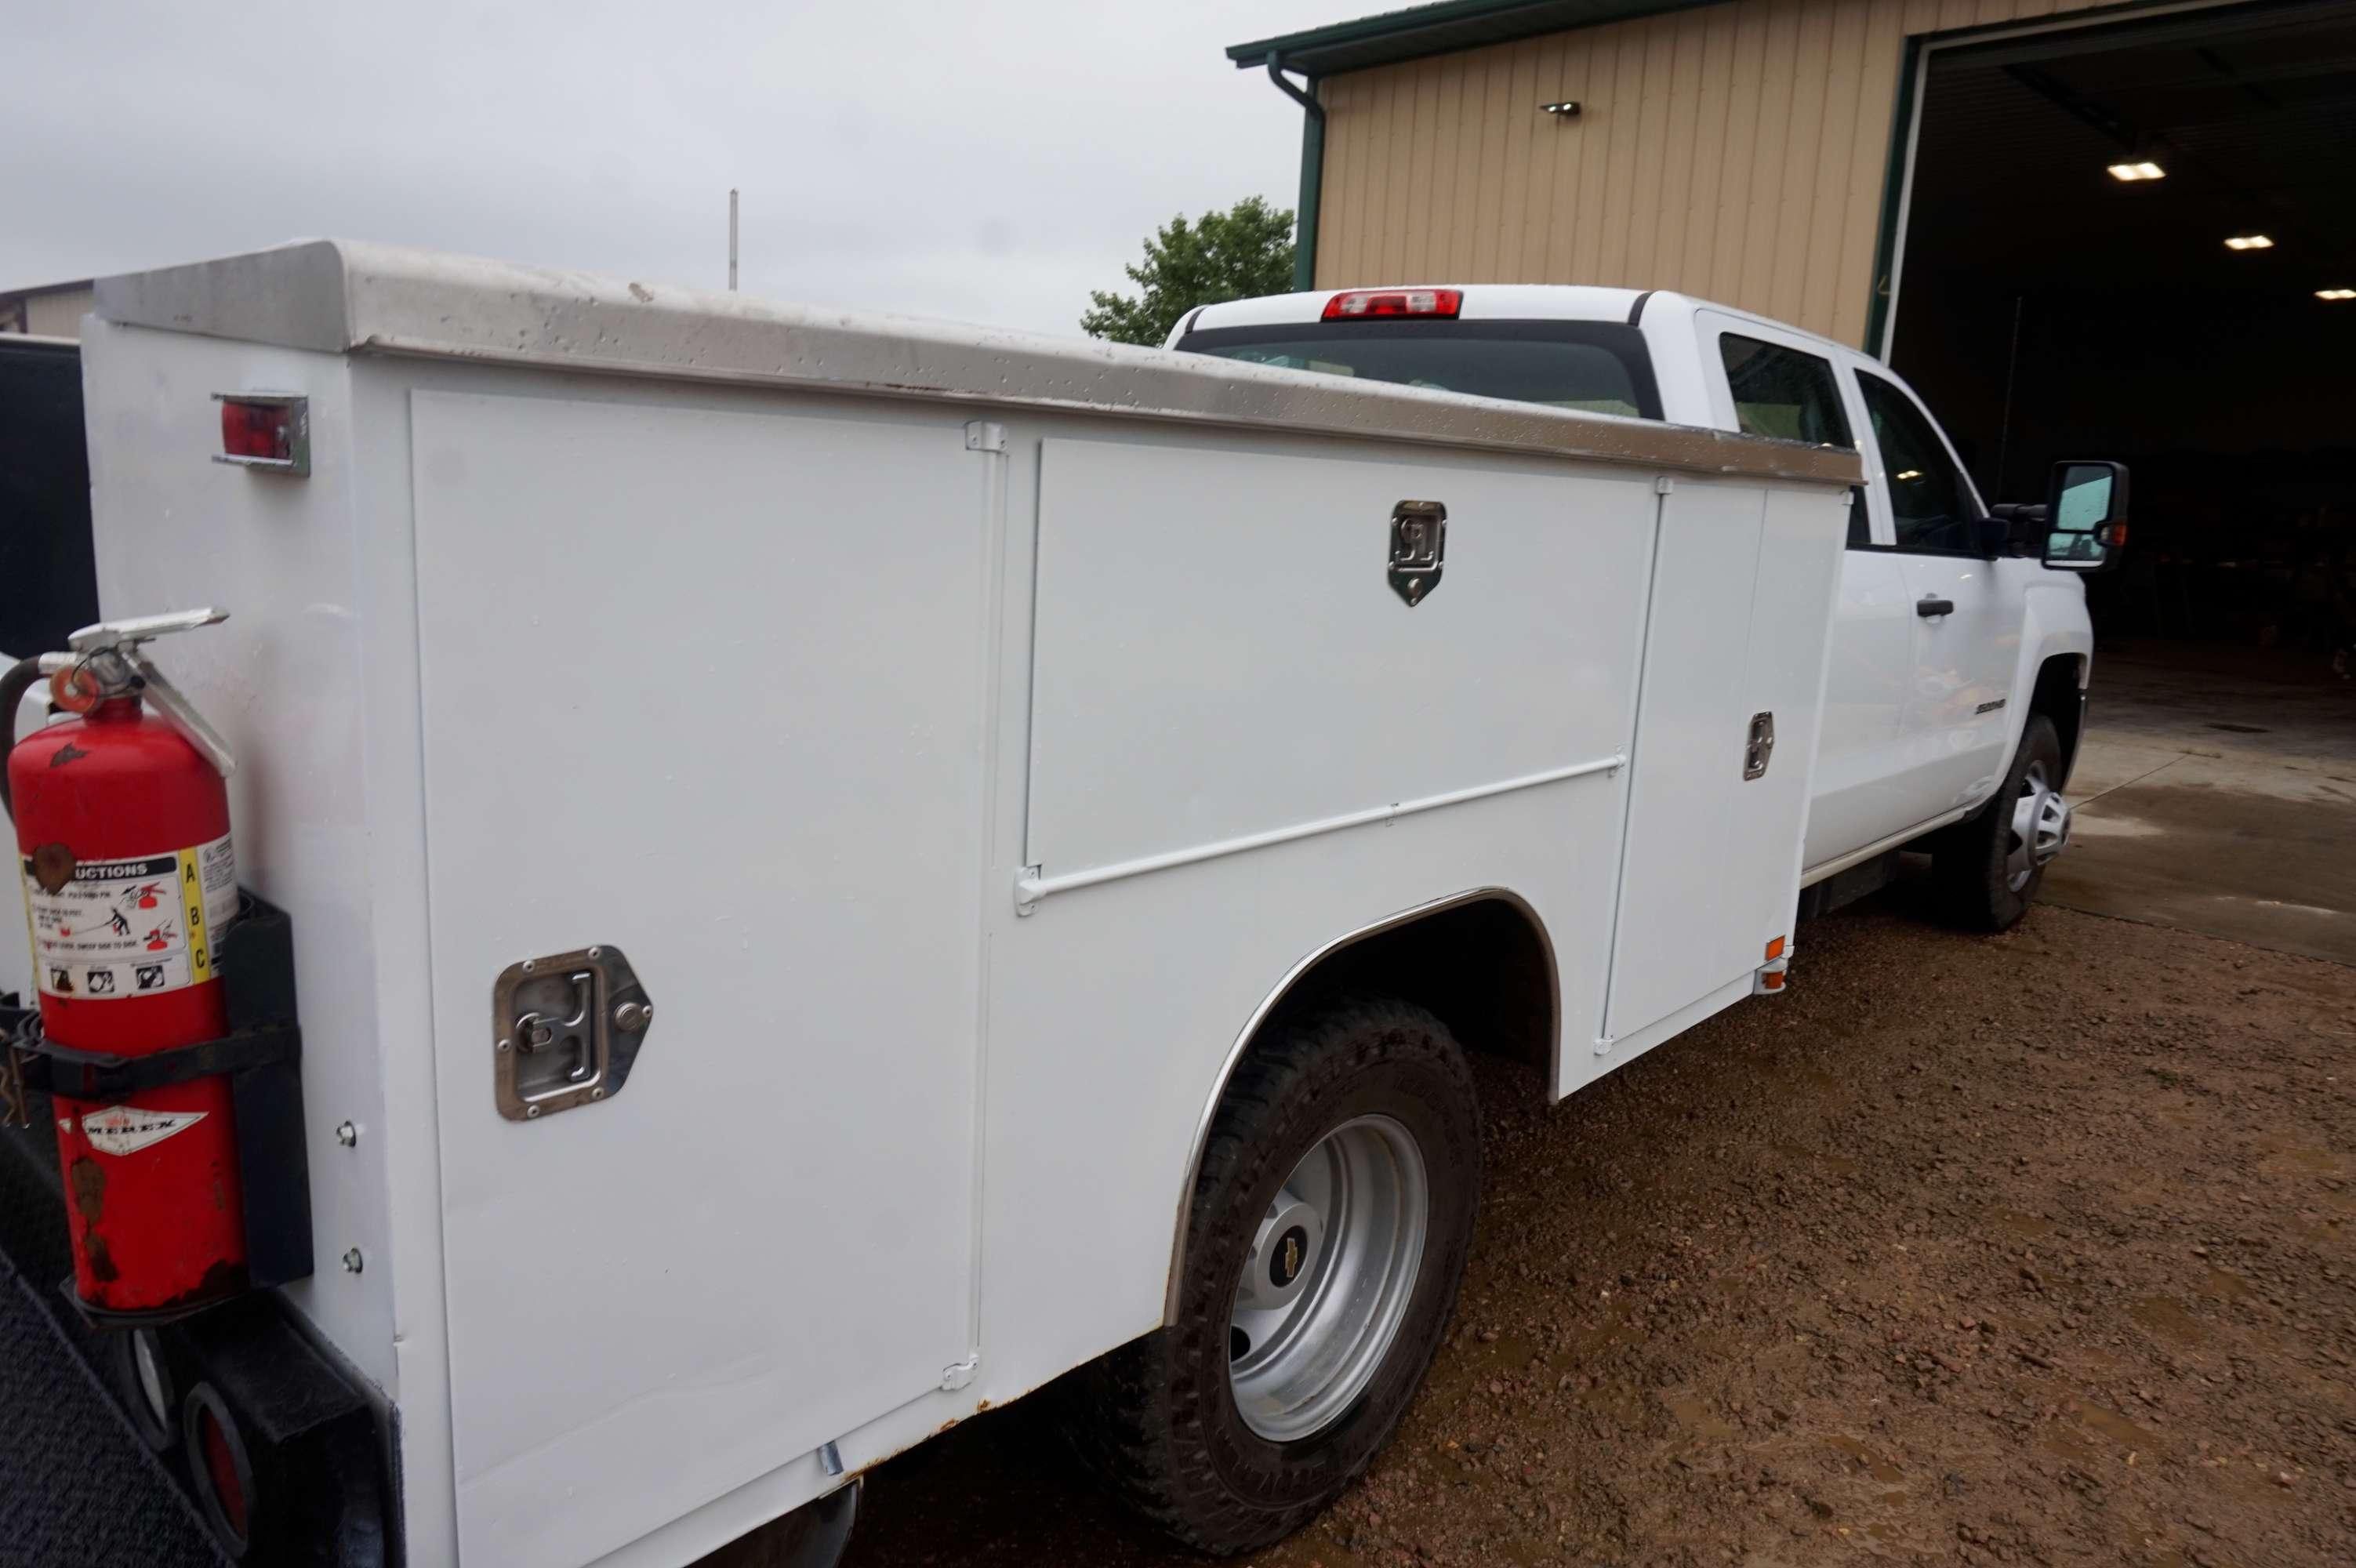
(167,699)
(131,630)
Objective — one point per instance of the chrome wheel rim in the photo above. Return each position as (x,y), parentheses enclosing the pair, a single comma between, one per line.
(1328,1279)
(2040,828)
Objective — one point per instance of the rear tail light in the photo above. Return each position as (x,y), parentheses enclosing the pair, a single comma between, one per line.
(1364,302)
(266,430)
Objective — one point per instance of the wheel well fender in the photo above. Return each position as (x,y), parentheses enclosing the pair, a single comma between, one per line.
(1480,960)
(2058,695)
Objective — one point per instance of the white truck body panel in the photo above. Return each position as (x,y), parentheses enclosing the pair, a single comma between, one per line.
(966,737)
(1921,715)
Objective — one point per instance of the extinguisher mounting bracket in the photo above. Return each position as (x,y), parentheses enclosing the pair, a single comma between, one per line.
(101,1075)
(261,1057)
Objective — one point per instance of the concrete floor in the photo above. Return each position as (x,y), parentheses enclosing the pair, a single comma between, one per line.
(2216,792)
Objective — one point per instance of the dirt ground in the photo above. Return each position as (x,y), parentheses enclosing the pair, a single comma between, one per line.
(2035,1248)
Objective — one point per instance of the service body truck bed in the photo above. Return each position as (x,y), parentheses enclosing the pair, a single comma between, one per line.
(969,740)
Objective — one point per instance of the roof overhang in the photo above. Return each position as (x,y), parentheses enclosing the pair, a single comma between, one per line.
(1442,28)
(31,291)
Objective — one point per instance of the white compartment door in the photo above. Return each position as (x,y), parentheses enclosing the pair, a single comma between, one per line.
(704,686)
(1741,602)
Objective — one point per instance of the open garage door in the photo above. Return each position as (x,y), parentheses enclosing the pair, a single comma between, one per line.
(2139,241)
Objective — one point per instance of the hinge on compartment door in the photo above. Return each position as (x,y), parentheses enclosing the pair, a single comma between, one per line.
(1759,747)
(985,436)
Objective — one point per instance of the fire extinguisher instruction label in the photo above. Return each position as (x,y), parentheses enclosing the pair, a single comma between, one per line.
(134,926)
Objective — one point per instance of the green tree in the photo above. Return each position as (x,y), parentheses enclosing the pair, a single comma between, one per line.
(1235,254)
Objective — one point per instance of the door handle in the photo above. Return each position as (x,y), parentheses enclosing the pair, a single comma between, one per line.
(1927,607)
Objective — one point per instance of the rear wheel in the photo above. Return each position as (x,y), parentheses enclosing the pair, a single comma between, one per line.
(1330,1226)
(1989,866)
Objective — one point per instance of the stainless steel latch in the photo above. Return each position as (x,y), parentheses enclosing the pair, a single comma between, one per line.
(1760,747)
(1418,549)
(565,1030)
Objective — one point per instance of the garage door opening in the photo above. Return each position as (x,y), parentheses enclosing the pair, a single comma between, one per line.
(2139,241)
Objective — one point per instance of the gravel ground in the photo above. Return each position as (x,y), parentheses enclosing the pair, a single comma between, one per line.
(2034,1248)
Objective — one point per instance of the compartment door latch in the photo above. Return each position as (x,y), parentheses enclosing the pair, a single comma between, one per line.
(1760,747)
(1418,549)
(564,1030)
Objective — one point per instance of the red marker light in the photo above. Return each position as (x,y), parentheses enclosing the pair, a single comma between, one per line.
(265,431)
(1360,302)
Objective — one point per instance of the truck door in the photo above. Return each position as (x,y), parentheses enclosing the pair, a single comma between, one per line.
(1767,382)
(1966,624)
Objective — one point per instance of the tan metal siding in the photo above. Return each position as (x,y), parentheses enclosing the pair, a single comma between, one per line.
(1736,151)
(57,312)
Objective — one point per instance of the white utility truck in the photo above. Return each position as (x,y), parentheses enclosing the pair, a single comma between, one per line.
(840,869)
(1960,646)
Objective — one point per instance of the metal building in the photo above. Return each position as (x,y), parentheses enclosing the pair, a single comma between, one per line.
(1755,153)
(46,310)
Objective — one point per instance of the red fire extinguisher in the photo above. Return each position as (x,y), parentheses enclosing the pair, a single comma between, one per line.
(123,835)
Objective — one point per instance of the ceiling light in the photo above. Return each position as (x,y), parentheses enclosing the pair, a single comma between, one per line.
(2335,294)
(2135,171)
(2249,242)
(1565,111)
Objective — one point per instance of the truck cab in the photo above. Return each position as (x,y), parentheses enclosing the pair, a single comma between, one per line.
(1961,645)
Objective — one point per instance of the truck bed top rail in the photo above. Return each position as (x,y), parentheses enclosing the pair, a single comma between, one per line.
(337,296)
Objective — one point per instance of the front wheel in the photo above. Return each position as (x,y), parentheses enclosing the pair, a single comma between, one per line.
(1330,1226)
(1990,865)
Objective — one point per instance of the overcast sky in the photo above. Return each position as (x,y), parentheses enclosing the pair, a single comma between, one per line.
(986,161)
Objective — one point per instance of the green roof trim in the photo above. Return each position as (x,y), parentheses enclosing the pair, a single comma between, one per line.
(1442,28)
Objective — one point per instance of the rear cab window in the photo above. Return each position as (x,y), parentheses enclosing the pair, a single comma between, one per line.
(1793,395)
(1595,367)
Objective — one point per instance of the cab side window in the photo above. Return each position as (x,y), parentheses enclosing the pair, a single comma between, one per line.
(1785,393)
(1782,392)
(1929,500)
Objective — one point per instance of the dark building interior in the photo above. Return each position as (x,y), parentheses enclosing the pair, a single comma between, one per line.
(2048,308)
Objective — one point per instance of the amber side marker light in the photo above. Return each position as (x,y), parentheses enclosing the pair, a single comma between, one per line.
(1772,980)
(1775,949)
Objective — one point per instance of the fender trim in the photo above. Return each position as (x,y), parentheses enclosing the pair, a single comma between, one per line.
(1284,988)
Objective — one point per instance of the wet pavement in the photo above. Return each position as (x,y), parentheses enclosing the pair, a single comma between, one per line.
(2218,795)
